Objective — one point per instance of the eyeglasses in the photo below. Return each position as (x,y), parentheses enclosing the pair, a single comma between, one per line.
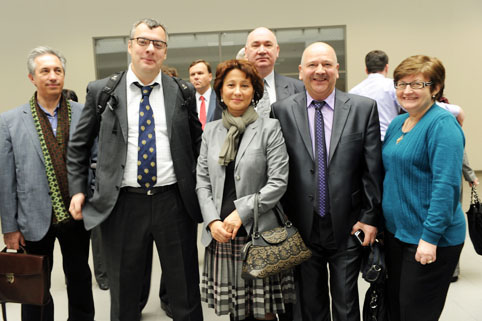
(413,84)
(158,44)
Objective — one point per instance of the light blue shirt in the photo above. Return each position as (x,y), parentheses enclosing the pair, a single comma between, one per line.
(53,120)
(381,89)
(327,111)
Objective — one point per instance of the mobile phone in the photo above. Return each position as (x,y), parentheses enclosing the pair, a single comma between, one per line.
(360,236)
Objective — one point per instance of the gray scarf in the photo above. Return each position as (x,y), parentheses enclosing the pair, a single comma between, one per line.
(236,127)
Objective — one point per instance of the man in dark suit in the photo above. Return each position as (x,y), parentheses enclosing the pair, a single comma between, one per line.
(262,50)
(334,188)
(200,75)
(34,194)
(148,143)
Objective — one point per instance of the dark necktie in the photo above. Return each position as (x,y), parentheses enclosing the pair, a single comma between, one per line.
(322,186)
(146,152)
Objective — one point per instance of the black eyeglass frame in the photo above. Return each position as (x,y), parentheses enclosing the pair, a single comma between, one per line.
(158,44)
(403,85)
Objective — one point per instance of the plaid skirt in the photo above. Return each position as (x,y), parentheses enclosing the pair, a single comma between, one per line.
(223,288)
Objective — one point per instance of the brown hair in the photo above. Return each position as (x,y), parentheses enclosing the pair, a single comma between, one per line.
(245,66)
(201,61)
(431,67)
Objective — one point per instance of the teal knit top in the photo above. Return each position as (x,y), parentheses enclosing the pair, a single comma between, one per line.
(423,171)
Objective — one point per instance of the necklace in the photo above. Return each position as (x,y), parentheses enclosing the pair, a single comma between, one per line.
(407,126)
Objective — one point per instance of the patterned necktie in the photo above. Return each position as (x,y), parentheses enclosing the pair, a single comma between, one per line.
(146,151)
(322,186)
(264,106)
(202,112)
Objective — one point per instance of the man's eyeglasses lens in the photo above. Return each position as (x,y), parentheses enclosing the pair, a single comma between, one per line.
(158,44)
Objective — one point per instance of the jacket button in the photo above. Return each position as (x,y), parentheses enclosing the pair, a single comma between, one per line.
(117,187)
(237,177)
(50,193)
(312,171)
(123,166)
(310,197)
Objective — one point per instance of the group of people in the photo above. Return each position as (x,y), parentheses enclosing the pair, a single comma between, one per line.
(170,155)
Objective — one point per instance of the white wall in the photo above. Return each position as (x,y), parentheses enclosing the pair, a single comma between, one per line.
(449,30)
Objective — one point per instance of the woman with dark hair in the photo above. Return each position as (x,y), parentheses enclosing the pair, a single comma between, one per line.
(425,226)
(241,155)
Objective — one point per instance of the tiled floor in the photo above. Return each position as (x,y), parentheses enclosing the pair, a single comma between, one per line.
(464,301)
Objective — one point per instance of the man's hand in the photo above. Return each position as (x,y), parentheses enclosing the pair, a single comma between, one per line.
(426,252)
(13,240)
(218,231)
(76,204)
(369,231)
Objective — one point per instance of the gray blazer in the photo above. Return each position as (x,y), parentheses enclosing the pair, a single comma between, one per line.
(25,203)
(261,166)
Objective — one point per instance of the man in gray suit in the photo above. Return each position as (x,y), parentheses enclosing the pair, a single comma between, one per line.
(200,75)
(262,50)
(34,195)
(335,183)
(148,142)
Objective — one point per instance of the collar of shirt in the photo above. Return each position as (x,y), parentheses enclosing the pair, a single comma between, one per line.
(131,78)
(206,95)
(47,113)
(329,101)
(53,119)
(269,79)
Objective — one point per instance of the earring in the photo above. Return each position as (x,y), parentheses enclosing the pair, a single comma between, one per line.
(433,97)
(222,100)
(252,101)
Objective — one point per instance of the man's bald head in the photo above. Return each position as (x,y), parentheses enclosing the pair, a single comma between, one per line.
(262,50)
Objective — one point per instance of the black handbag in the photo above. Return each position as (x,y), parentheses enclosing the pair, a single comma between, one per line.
(474,219)
(374,271)
(273,251)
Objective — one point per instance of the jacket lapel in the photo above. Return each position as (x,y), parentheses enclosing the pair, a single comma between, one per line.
(281,87)
(170,90)
(342,109)
(30,126)
(248,136)
(300,115)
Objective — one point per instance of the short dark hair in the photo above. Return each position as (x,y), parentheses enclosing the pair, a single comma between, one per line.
(375,61)
(150,23)
(245,66)
(431,67)
(201,61)
(70,95)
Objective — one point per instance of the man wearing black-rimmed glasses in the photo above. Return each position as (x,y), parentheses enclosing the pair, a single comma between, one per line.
(148,143)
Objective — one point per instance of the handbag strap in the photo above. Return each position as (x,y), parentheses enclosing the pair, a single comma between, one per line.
(277,210)
(474,197)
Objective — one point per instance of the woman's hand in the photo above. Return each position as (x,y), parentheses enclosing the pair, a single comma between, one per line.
(218,231)
(232,223)
(426,252)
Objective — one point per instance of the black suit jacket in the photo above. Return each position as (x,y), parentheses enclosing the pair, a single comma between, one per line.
(355,171)
(284,86)
(184,131)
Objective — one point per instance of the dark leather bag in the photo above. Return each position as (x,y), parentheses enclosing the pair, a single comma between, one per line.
(273,251)
(24,278)
(474,219)
(375,306)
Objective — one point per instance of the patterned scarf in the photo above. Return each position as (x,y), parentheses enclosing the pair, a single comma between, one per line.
(54,149)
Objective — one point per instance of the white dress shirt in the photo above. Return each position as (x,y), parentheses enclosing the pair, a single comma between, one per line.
(207,97)
(165,168)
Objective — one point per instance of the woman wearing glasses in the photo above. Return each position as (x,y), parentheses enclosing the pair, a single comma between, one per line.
(425,225)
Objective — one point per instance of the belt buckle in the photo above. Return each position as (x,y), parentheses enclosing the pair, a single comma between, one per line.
(150,192)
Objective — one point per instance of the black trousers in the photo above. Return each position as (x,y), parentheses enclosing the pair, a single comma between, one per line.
(74,245)
(344,266)
(136,221)
(415,291)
